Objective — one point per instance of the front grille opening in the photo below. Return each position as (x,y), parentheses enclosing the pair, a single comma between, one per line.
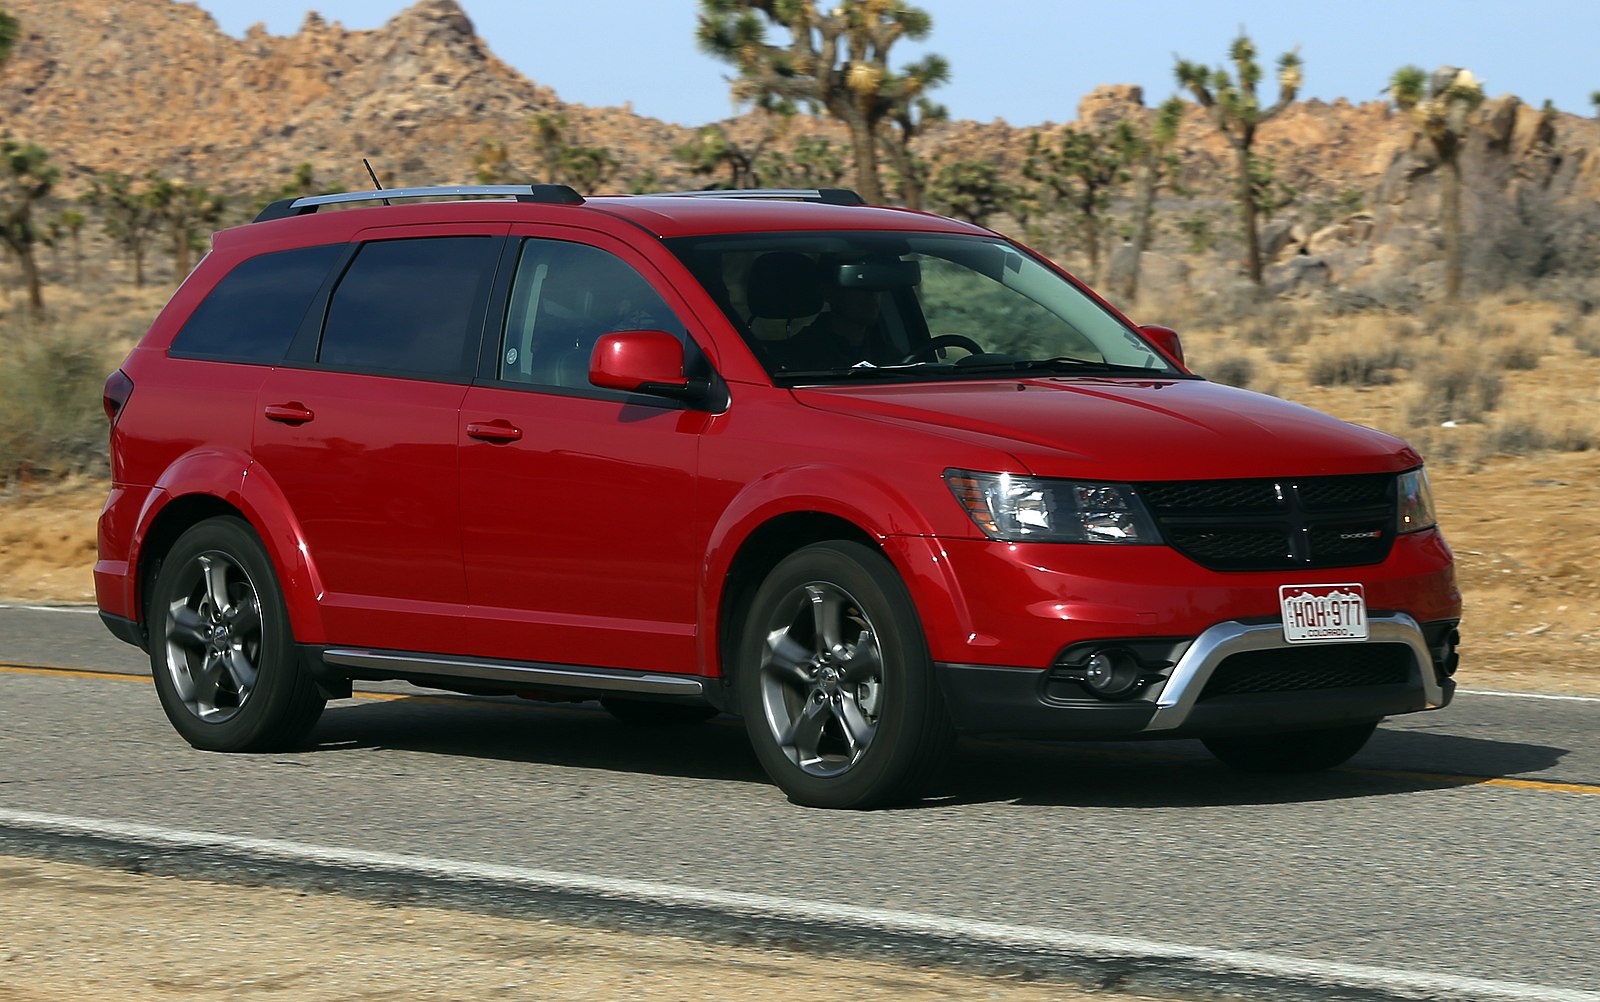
(1263,525)
(1299,669)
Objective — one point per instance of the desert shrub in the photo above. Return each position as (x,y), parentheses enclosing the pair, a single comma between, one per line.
(1355,362)
(1521,354)
(1514,438)
(1453,386)
(1235,370)
(51,379)
(1523,436)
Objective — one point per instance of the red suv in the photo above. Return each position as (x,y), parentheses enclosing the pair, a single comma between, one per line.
(866,477)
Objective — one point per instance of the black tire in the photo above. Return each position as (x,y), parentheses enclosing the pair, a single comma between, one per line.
(221,649)
(643,713)
(851,720)
(1300,751)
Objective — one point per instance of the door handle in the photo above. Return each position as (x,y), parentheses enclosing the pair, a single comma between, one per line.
(293,412)
(498,430)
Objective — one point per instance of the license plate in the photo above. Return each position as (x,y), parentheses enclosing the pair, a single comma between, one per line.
(1319,614)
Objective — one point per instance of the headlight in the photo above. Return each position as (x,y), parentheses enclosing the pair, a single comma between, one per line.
(1415,509)
(1028,509)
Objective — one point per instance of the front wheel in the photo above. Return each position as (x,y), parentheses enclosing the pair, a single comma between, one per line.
(220,645)
(1303,751)
(835,682)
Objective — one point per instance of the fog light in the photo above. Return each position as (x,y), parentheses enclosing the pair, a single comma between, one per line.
(1111,674)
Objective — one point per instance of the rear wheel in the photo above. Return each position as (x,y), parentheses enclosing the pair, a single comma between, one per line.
(835,682)
(1301,751)
(221,649)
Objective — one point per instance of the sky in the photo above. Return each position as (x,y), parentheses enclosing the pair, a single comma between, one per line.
(1029,61)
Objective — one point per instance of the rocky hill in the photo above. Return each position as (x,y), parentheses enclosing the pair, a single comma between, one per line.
(155,84)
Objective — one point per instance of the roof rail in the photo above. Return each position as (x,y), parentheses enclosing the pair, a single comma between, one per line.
(557,194)
(828,196)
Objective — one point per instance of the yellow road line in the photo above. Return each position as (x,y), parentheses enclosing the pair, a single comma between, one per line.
(1457,780)
(61,670)
(1443,779)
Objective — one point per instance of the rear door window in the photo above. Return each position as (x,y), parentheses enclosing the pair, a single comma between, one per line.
(254,312)
(411,307)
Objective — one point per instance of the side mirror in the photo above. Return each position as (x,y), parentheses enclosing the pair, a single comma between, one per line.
(1166,339)
(643,362)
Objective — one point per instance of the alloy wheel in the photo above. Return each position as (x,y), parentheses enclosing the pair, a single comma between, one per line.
(213,637)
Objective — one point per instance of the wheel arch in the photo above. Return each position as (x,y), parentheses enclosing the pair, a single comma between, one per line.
(762,550)
(249,496)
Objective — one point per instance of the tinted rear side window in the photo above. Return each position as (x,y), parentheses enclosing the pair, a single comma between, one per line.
(411,307)
(253,313)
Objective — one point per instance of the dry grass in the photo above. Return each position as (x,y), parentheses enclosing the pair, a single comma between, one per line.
(1498,377)
(52,373)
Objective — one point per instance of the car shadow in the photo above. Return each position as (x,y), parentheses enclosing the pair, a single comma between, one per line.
(579,735)
(1151,774)
(1164,774)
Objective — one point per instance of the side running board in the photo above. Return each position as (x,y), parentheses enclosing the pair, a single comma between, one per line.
(397,664)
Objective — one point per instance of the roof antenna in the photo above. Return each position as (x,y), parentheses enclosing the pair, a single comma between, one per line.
(374,175)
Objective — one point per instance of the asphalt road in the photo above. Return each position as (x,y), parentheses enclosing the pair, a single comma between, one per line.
(1463,842)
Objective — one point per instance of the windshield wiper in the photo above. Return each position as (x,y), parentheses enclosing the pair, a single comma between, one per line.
(1060,363)
(855,372)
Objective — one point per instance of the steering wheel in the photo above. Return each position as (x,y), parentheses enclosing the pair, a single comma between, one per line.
(925,351)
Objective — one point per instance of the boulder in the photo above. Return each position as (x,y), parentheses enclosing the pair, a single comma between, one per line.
(1282,238)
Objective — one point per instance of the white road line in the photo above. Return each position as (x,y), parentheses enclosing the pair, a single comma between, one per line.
(80,610)
(1529,695)
(1228,963)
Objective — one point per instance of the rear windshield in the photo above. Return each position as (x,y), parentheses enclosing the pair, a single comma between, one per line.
(820,307)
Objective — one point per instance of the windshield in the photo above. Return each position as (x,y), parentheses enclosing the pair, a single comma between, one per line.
(820,307)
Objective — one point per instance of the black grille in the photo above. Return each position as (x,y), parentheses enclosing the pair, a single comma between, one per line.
(1212,495)
(1339,492)
(1282,524)
(1294,669)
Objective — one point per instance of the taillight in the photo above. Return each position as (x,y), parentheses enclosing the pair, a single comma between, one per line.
(118,389)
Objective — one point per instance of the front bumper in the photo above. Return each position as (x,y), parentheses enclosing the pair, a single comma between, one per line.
(1023,702)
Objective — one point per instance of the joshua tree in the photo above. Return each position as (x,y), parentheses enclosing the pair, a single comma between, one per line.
(585,168)
(1440,106)
(907,120)
(1233,107)
(712,149)
(1594,99)
(188,212)
(1081,172)
(813,163)
(1270,192)
(836,59)
(972,190)
(25,177)
(1155,167)
(71,222)
(128,214)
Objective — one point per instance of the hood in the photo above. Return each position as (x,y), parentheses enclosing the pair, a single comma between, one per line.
(1128,429)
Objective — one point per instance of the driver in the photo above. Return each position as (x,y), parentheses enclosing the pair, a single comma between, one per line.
(848,332)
